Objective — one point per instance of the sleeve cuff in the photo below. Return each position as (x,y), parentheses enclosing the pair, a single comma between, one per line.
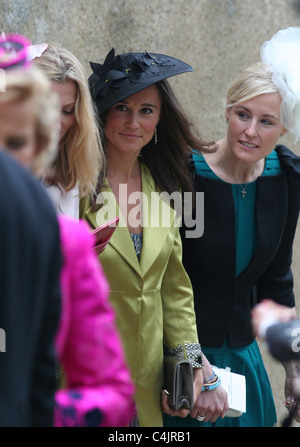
(189,351)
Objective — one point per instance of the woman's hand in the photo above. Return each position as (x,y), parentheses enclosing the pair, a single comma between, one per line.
(198,382)
(169,410)
(292,388)
(269,310)
(210,405)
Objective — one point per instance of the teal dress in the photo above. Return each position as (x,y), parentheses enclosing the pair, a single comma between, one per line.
(247,360)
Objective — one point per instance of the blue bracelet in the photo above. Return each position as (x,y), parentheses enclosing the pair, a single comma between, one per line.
(211,377)
(211,387)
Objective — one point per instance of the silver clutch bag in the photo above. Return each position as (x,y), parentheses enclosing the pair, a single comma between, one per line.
(178,382)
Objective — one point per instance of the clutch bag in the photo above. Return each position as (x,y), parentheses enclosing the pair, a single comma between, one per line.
(178,382)
(104,233)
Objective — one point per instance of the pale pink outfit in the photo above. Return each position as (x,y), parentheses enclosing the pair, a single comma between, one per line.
(99,388)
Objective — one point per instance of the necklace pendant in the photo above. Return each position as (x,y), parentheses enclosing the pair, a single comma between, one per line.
(243,192)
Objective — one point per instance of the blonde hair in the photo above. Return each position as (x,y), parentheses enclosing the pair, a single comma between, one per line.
(32,84)
(80,157)
(253,81)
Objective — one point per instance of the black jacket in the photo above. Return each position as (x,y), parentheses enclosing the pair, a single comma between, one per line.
(223,302)
(30,265)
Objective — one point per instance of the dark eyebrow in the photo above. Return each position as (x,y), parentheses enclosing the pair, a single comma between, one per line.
(266,115)
(145,104)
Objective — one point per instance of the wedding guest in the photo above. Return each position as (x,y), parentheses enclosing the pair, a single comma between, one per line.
(251,186)
(80,155)
(147,136)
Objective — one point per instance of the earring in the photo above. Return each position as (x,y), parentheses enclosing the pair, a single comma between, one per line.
(227,120)
(155,136)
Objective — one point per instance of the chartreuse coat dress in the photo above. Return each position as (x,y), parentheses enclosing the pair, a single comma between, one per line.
(152,298)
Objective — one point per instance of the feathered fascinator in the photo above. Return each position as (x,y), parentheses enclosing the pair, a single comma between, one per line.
(282,54)
(35,51)
(125,74)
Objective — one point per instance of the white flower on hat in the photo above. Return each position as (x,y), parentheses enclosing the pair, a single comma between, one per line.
(282,54)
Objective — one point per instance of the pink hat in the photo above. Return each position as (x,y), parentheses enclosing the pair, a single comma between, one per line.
(13,51)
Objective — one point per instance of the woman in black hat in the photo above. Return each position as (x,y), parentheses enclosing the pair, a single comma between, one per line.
(147,138)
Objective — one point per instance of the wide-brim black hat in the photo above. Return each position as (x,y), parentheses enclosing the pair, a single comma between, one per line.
(125,74)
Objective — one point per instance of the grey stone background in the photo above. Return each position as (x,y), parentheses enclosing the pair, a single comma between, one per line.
(217,37)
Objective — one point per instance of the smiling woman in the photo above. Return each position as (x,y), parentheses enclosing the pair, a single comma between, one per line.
(147,138)
(251,186)
(254,128)
(133,121)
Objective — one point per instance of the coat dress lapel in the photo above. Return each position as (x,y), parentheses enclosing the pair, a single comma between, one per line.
(157,218)
(270,221)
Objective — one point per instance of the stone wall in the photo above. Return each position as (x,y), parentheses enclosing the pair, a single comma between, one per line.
(217,37)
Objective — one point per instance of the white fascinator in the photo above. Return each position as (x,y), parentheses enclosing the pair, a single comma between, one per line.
(282,54)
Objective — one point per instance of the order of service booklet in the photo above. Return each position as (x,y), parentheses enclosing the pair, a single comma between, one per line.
(235,385)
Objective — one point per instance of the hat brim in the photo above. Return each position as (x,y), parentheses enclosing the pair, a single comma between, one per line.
(147,78)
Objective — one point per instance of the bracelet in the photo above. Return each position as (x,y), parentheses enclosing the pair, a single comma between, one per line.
(210,379)
(290,401)
(209,386)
